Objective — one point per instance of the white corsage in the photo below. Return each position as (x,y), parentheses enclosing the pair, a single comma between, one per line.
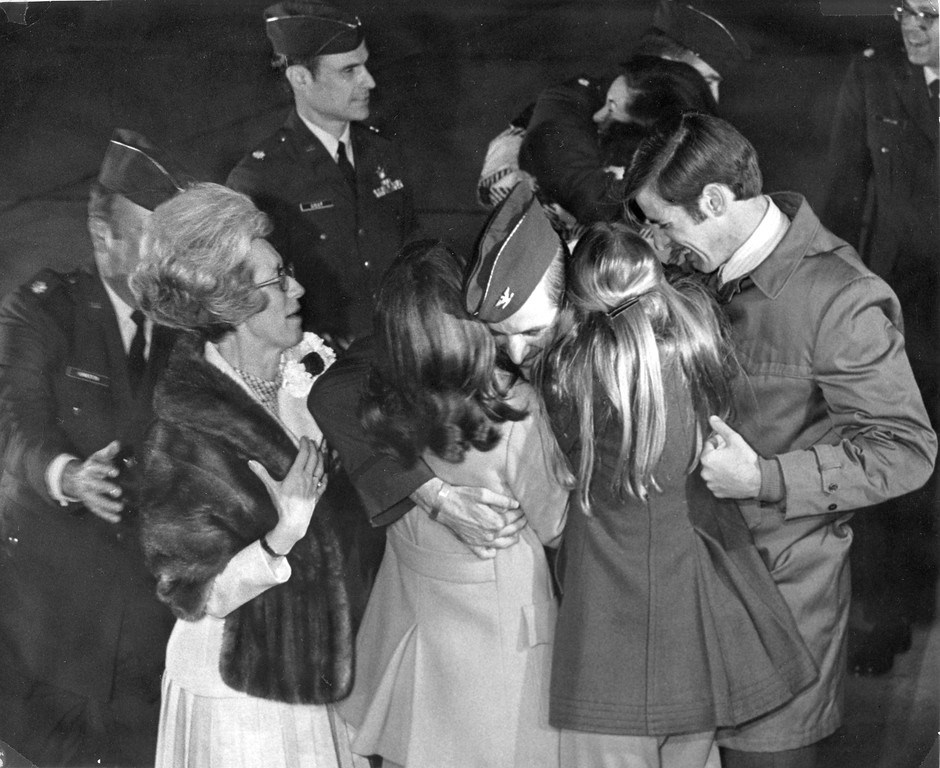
(302,364)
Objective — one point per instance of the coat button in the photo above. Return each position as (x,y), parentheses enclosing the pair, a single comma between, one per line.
(76,410)
(365,264)
(885,150)
(832,507)
(361,232)
(323,235)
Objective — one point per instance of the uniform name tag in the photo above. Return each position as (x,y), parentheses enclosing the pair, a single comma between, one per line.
(89,376)
(316,205)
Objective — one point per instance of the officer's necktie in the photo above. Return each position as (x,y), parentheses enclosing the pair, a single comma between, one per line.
(136,363)
(934,87)
(349,173)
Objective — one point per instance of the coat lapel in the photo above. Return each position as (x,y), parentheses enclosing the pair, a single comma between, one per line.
(109,340)
(915,99)
(311,152)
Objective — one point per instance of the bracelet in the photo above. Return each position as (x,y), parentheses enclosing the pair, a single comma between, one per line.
(442,494)
(267,548)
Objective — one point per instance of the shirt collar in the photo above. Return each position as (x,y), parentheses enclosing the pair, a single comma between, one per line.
(761,243)
(931,74)
(328,140)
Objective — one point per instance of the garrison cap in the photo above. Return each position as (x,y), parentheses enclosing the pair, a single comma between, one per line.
(139,170)
(311,28)
(516,248)
(701,33)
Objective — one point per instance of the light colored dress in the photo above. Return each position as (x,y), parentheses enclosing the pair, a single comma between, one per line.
(454,653)
(204,722)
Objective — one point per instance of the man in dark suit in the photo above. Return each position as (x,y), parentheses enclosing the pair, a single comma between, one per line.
(884,198)
(335,189)
(82,635)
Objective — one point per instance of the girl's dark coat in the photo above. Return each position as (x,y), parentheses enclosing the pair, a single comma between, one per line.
(203,504)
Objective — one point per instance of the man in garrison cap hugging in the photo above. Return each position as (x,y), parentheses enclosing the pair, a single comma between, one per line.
(336,191)
(515,287)
(82,635)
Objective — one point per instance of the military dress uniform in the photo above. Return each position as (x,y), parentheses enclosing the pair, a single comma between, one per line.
(82,635)
(339,240)
(886,130)
(885,137)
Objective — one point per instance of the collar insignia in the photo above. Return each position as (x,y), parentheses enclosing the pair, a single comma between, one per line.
(258,154)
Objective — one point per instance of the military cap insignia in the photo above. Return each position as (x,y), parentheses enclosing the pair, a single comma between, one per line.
(386,184)
(516,249)
(258,154)
(505,298)
(39,287)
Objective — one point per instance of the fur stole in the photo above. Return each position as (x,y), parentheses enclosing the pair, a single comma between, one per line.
(202,504)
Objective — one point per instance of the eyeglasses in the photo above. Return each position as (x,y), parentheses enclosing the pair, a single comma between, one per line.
(284,274)
(903,12)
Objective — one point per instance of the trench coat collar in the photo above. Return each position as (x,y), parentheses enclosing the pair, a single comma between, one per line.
(805,231)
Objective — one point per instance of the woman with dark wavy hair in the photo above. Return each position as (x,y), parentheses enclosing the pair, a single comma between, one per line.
(236,520)
(454,650)
(670,626)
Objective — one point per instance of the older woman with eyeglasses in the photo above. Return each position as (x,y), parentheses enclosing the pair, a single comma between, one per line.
(233,522)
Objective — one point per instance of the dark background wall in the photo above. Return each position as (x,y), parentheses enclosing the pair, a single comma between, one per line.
(194,77)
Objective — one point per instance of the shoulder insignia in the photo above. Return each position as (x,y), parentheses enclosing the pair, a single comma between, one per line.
(39,287)
(258,154)
(869,53)
(584,81)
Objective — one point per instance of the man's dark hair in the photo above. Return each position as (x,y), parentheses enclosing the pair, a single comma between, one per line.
(281,61)
(683,155)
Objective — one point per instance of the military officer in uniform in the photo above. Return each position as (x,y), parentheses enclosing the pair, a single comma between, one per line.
(335,189)
(82,635)
(885,138)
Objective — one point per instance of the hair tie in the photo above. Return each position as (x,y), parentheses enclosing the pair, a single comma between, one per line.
(621,308)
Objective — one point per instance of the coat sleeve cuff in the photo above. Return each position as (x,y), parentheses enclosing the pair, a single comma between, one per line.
(772,485)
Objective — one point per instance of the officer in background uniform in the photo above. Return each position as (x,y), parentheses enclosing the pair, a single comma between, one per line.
(82,635)
(885,139)
(335,189)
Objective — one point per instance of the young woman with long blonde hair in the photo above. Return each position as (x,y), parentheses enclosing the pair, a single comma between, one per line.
(670,625)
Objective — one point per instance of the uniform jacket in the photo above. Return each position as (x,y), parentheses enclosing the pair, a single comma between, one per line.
(829,392)
(669,622)
(885,131)
(340,243)
(202,505)
(64,389)
(383,483)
